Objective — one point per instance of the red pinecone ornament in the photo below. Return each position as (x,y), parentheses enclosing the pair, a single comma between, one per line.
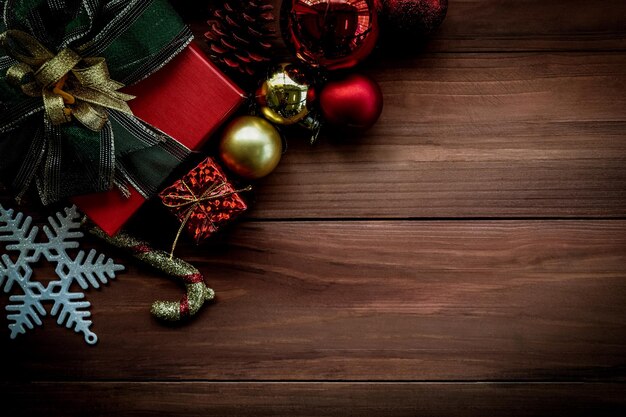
(240,36)
(414,17)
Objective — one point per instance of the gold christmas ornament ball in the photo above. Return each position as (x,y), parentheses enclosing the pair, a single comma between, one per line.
(286,95)
(250,147)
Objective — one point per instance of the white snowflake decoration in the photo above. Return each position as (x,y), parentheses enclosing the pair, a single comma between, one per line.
(27,309)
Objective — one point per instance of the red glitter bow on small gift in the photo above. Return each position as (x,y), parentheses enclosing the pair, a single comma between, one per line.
(201,208)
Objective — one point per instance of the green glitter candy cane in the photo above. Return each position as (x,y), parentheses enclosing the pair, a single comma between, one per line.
(197,291)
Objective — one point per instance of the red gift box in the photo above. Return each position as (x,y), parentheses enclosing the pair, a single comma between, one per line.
(203,200)
(187,99)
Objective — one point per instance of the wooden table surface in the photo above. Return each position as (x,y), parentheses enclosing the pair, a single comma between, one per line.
(466,257)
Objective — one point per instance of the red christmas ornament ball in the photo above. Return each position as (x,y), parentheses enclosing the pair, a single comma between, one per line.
(354,102)
(414,17)
(333,34)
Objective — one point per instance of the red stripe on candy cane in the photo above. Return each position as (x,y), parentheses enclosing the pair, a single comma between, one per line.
(184,307)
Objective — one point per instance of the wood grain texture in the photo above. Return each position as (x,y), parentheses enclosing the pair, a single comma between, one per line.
(505,25)
(508,300)
(515,109)
(471,135)
(315,399)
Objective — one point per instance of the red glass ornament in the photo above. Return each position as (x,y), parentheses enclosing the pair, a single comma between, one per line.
(334,34)
(354,102)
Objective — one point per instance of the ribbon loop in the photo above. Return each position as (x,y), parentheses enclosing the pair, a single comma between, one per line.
(18,72)
(56,67)
(68,83)
(92,117)
(55,108)
(21,74)
(95,74)
(25,48)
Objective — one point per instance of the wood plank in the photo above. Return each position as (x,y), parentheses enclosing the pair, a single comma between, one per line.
(471,135)
(506,25)
(314,399)
(477,300)
(502,25)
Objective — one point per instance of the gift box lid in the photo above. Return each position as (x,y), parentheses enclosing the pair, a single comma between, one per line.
(188,99)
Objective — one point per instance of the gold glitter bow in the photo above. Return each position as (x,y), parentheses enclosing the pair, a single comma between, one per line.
(69,84)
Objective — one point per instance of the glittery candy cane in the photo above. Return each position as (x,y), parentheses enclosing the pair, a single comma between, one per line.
(197,291)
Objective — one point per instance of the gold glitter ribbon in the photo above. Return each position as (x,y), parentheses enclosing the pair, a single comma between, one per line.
(69,84)
(191,203)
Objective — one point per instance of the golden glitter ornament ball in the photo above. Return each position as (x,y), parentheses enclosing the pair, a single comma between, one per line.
(250,147)
(286,95)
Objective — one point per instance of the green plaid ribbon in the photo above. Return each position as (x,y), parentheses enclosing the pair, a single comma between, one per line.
(136,38)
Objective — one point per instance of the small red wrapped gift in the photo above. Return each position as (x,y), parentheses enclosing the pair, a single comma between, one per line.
(203,200)
(187,99)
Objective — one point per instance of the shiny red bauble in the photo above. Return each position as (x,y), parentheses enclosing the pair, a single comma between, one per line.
(354,102)
(332,34)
